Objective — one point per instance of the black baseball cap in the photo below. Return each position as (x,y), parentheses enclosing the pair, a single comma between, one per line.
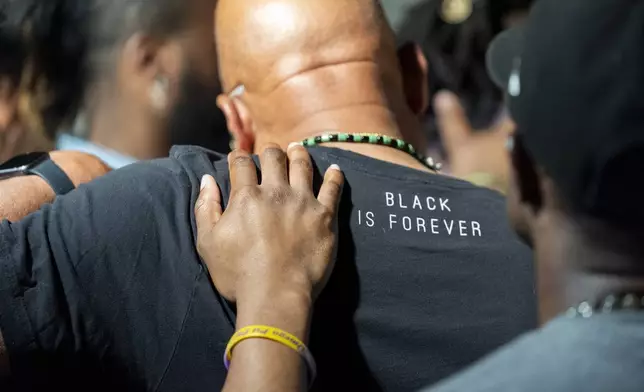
(574,78)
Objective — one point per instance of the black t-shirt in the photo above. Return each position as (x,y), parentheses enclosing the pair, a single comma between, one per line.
(429,278)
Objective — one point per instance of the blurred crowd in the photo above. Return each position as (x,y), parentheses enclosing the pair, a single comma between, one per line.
(347,194)
(54,83)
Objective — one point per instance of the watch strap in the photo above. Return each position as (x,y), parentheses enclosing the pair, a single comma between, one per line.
(49,171)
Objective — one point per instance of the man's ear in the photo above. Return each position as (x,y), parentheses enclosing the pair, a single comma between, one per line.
(151,69)
(239,122)
(415,77)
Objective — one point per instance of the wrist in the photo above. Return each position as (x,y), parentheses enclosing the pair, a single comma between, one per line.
(286,308)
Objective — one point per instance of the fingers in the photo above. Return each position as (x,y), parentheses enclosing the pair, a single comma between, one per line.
(300,169)
(208,208)
(452,122)
(273,162)
(331,189)
(243,171)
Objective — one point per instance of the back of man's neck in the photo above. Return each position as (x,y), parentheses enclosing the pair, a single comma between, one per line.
(362,118)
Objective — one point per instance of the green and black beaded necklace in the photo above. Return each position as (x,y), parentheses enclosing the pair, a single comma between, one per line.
(372,138)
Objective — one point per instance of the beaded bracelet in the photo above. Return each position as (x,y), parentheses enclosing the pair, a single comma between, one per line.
(277,335)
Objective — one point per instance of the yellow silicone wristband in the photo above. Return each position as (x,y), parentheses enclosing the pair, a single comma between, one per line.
(275,334)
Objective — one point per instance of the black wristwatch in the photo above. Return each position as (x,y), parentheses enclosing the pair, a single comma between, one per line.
(41,165)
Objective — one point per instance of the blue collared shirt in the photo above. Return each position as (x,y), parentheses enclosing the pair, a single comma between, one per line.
(113,159)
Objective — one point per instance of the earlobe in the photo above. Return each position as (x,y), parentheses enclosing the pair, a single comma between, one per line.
(238,122)
(415,80)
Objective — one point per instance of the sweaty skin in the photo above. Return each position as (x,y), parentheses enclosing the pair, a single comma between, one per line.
(335,66)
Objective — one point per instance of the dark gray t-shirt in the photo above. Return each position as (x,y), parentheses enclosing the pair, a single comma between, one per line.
(429,279)
(604,353)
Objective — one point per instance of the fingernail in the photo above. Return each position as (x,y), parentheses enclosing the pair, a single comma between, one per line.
(335,167)
(204,182)
(294,144)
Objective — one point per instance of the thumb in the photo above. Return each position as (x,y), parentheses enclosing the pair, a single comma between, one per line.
(452,122)
(208,208)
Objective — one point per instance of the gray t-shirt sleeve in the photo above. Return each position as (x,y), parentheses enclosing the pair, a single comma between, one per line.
(603,353)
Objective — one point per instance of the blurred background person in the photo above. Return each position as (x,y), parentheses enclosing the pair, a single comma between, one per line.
(16,136)
(123,93)
(22,132)
(467,126)
(455,35)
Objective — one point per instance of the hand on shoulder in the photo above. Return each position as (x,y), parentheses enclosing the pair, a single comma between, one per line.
(273,237)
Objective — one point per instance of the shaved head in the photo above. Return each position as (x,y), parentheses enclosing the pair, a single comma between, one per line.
(312,55)
(283,38)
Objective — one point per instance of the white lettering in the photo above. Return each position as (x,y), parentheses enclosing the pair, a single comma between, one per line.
(462,228)
(450,227)
(435,226)
(417,203)
(359,217)
(420,222)
(392,221)
(370,219)
(390,199)
(404,207)
(406,221)
(476,229)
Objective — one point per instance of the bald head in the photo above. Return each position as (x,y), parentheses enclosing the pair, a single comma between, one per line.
(317,58)
(262,43)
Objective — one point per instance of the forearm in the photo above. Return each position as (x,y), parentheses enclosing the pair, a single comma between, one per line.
(20,196)
(265,365)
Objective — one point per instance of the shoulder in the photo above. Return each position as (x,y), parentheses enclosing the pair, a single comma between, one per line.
(149,199)
(515,367)
(178,173)
(566,355)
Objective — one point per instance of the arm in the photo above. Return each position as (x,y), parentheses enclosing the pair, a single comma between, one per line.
(265,363)
(71,272)
(20,196)
(283,261)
